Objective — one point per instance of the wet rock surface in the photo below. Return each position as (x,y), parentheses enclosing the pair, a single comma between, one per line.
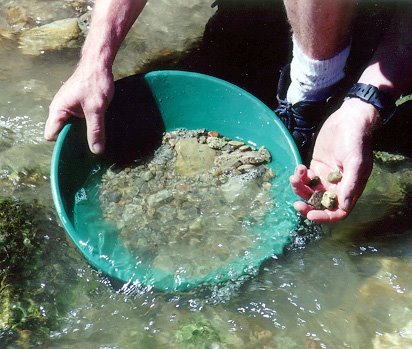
(329,200)
(190,206)
(334,176)
(27,313)
(322,200)
(54,36)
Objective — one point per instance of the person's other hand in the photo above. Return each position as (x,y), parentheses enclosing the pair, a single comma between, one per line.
(344,144)
(86,94)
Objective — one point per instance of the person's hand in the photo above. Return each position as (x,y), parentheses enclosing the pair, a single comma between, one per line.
(86,94)
(344,144)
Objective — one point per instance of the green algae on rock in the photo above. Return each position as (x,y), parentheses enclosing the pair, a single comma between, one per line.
(18,235)
(29,312)
(200,334)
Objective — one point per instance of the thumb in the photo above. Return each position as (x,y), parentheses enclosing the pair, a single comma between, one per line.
(54,123)
(96,133)
(353,183)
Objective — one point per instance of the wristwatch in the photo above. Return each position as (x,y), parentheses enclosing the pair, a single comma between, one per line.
(384,103)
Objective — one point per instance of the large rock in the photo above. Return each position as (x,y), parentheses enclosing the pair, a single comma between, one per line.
(385,197)
(6,138)
(165,31)
(193,158)
(50,37)
(240,191)
(24,171)
(394,340)
(6,38)
(20,159)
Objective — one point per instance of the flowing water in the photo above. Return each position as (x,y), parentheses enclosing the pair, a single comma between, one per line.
(343,286)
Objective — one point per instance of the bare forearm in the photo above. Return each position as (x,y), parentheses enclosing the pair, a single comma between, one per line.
(391,66)
(111,21)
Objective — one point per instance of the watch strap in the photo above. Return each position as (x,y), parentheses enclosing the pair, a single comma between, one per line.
(382,101)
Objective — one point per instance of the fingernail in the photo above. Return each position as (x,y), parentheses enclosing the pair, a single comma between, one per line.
(98,148)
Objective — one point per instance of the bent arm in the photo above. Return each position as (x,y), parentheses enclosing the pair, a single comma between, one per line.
(390,70)
(111,21)
(89,90)
(345,140)
(391,66)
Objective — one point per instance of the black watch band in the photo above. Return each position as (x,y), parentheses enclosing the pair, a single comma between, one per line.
(384,103)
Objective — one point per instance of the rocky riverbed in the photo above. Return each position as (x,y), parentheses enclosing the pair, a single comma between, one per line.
(192,206)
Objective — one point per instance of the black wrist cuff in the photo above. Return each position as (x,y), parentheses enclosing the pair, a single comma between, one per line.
(384,103)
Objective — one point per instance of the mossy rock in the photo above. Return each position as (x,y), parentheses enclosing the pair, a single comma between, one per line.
(18,235)
(6,138)
(29,312)
(19,159)
(200,334)
(18,171)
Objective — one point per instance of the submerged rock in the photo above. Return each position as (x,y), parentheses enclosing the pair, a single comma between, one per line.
(18,162)
(20,173)
(29,312)
(160,34)
(394,340)
(36,89)
(84,22)
(50,37)
(192,157)
(18,16)
(199,335)
(6,38)
(239,190)
(6,138)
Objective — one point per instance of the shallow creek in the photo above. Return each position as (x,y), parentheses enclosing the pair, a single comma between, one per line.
(343,286)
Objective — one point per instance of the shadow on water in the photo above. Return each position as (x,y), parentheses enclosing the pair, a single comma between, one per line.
(245,43)
(128,140)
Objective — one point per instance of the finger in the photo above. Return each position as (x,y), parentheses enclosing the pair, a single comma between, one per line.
(319,216)
(354,180)
(327,216)
(298,182)
(95,133)
(54,123)
(302,207)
